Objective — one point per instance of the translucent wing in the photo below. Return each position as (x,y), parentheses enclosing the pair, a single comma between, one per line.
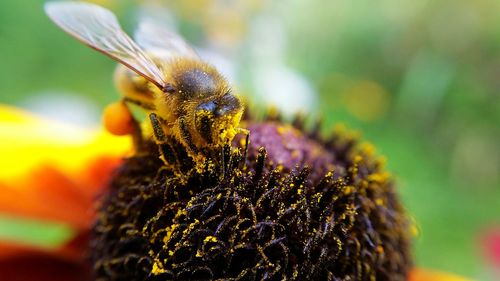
(98,28)
(154,37)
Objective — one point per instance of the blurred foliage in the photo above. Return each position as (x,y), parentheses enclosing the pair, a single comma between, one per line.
(420,79)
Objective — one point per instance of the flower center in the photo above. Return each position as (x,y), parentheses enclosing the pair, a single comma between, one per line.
(298,207)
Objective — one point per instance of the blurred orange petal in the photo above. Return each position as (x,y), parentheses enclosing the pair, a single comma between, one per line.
(426,275)
(28,141)
(49,194)
(53,171)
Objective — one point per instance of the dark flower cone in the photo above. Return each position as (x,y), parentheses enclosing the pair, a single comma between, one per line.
(299,207)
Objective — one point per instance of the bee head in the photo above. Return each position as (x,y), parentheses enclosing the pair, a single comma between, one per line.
(216,119)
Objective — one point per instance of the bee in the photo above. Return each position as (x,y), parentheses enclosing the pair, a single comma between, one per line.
(186,99)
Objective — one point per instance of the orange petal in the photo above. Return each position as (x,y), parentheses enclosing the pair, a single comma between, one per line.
(98,173)
(28,141)
(48,194)
(53,171)
(426,275)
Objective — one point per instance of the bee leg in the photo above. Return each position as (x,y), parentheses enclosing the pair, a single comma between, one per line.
(166,150)
(188,140)
(137,137)
(136,130)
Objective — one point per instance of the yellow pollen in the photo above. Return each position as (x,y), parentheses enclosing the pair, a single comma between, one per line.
(210,239)
(348,190)
(170,230)
(157,268)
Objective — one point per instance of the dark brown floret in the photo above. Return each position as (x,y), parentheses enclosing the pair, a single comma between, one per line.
(299,208)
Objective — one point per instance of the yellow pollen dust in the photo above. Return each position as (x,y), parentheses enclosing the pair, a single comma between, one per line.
(367,148)
(357,159)
(348,190)
(210,239)
(281,130)
(379,177)
(380,249)
(226,127)
(170,230)
(157,268)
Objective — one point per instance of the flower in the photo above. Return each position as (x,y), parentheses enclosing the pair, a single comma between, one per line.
(298,207)
(51,173)
(490,247)
(258,216)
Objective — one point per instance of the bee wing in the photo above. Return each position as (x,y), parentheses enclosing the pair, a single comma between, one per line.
(154,37)
(99,29)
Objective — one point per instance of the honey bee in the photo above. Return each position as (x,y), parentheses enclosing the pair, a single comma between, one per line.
(186,99)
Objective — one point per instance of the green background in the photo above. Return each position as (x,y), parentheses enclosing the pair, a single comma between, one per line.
(419,79)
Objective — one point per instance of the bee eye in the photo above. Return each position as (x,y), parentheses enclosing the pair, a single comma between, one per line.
(209,106)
